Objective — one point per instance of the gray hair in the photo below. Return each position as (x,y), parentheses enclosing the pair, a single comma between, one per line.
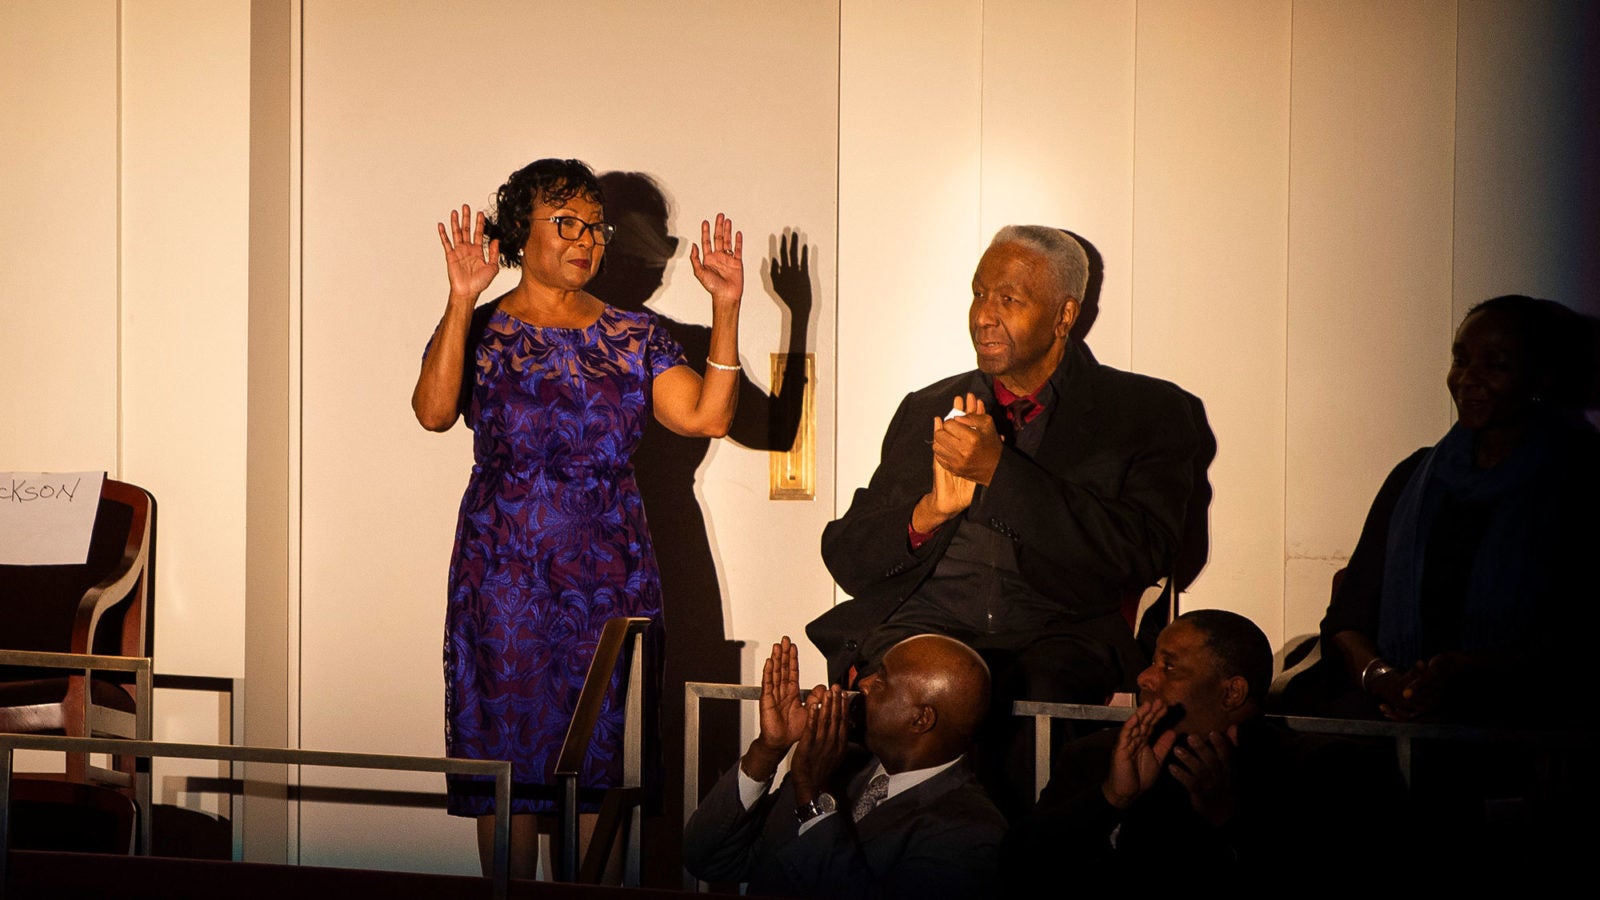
(1065,255)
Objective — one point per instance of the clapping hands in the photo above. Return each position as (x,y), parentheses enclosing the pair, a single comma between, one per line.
(815,720)
(1202,763)
(784,711)
(1135,761)
(783,708)
(966,450)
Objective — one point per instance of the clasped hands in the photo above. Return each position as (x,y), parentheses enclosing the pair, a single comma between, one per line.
(814,723)
(1422,690)
(1203,764)
(966,452)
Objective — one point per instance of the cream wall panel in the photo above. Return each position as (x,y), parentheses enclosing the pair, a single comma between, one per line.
(909,231)
(1527,153)
(1309,580)
(1058,140)
(1370,262)
(682,91)
(185,219)
(185,135)
(58,265)
(1210,202)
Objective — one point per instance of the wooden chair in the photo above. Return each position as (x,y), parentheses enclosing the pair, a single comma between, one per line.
(60,627)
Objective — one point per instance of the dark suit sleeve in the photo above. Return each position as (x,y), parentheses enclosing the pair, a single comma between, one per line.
(868,545)
(1113,517)
(944,856)
(1072,822)
(1334,800)
(719,840)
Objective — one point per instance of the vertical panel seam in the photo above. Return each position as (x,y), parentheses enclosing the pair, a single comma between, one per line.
(294,367)
(117,451)
(983,46)
(1455,181)
(838,242)
(1288,410)
(1133,200)
(838,247)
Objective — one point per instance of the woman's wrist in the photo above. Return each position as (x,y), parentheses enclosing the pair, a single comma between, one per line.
(458,299)
(1375,669)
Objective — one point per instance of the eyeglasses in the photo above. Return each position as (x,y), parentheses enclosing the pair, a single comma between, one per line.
(571,228)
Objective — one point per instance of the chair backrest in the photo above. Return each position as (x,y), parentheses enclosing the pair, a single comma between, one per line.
(102,606)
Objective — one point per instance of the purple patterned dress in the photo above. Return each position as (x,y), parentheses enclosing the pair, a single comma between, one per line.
(551,542)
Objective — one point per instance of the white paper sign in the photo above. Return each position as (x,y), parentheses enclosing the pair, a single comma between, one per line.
(47,518)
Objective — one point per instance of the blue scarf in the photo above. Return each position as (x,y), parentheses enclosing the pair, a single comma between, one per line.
(1505,581)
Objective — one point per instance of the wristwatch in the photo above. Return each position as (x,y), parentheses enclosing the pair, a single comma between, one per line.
(823,803)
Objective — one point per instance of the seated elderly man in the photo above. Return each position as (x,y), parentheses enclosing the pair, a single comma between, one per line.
(910,821)
(1020,505)
(1198,778)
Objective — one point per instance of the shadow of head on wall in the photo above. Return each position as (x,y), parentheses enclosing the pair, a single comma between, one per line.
(635,268)
(638,264)
(1089,303)
(635,263)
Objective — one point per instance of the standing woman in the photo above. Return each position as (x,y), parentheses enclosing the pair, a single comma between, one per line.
(551,541)
(1473,577)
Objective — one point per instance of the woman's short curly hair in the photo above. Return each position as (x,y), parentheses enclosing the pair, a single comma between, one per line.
(553,181)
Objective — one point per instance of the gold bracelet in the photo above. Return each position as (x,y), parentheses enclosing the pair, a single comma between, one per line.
(716,365)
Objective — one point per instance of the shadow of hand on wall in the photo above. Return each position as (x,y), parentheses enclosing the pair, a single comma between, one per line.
(770,421)
(634,270)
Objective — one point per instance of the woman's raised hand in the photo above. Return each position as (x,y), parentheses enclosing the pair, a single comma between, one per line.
(467,264)
(718,260)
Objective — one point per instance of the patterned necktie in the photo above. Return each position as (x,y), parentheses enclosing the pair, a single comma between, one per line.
(877,789)
(1018,412)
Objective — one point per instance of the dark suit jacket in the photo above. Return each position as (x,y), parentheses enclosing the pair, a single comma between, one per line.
(1305,803)
(1094,515)
(938,839)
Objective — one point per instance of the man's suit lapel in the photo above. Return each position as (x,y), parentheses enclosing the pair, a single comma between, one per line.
(980,386)
(1074,400)
(889,814)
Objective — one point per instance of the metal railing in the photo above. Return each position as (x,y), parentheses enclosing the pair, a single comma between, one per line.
(230,725)
(137,724)
(693,693)
(1404,734)
(499,770)
(100,720)
(620,633)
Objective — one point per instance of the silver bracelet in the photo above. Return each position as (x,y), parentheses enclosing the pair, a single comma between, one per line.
(716,365)
(1377,668)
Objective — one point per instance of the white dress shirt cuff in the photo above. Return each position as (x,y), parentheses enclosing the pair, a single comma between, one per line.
(750,790)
